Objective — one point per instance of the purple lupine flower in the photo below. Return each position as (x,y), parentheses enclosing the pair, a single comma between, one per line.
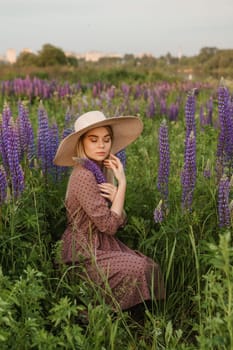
(126,90)
(151,108)
(188,176)
(206,171)
(158,213)
(3,185)
(190,114)
(137,92)
(173,111)
(66,132)
(122,156)
(111,92)
(225,140)
(223,202)
(94,168)
(26,135)
(54,142)
(164,161)
(43,137)
(4,125)
(163,107)
(15,170)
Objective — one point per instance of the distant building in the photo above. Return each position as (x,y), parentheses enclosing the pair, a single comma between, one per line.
(11,56)
(180,54)
(27,50)
(93,56)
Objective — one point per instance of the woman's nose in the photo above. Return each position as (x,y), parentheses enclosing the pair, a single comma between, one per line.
(101,143)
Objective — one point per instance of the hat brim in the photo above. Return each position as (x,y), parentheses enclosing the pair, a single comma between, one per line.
(125,130)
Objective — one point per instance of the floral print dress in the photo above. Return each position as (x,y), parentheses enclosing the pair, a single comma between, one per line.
(91,236)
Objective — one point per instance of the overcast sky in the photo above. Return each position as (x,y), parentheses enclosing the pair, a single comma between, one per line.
(119,26)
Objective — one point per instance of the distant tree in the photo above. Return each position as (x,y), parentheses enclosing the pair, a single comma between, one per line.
(51,55)
(221,63)
(72,61)
(226,58)
(147,61)
(129,59)
(109,61)
(206,53)
(27,59)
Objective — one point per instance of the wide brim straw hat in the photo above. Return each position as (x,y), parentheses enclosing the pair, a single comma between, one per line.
(125,130)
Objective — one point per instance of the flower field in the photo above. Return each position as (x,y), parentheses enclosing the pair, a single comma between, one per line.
(179,204)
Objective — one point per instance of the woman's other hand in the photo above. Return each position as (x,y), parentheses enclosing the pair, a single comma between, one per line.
(115,164)
(108,191)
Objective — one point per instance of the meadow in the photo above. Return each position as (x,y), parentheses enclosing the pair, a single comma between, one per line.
(178,203)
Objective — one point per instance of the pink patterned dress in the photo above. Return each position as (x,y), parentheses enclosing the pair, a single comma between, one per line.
(91,235)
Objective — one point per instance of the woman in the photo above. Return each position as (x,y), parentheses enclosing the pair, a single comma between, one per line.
(95,210)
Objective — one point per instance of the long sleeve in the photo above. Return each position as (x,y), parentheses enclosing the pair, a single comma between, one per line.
(87,194)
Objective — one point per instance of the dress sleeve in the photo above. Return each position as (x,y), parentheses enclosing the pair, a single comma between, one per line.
(87,193)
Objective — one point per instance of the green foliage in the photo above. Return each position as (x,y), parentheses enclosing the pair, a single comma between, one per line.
(27,59)
(216,319)
(50,56)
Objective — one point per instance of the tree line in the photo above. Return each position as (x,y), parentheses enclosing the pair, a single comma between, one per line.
(210,62)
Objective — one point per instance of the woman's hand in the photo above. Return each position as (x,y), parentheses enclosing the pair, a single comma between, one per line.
(115,164)
(108,191)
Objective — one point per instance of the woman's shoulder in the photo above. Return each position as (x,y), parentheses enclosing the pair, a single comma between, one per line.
(80,172)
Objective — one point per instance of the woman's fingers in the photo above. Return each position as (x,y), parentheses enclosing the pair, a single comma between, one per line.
(116,166)
(108,191)
(107,188)
(112,160)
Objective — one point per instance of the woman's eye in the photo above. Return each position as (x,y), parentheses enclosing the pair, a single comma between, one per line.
(107,140)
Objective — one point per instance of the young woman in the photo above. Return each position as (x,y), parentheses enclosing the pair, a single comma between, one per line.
(95,210)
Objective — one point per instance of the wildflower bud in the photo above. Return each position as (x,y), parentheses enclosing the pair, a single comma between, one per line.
(158,213)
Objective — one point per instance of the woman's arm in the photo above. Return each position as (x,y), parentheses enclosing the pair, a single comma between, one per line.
(85,191)
(115,164)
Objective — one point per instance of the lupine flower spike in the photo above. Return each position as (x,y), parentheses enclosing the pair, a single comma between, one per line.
(225,141)
(43,140)
(54,142)
(25,131)
(94,168)
(164,161)
(122,156)
(190,114)
(15,170)
(3,185)
(188,176)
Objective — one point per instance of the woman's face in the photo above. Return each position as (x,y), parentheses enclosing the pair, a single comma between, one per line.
(97,144)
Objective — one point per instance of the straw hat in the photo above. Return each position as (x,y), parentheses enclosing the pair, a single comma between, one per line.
(125,130)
